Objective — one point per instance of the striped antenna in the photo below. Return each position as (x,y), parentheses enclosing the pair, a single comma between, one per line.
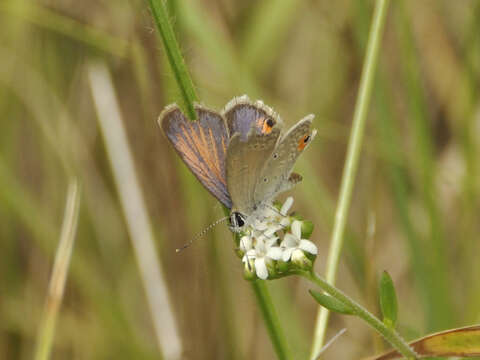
(203,232)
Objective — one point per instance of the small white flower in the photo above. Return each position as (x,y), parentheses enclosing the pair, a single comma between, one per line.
(260,242)
(261,268)
(265,250)
(293,241)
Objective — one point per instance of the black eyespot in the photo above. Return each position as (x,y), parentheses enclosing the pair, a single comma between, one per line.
(275,155)
(265,180)
(270,123)
(307,139)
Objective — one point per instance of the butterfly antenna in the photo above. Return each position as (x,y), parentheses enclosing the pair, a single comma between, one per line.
(203,232)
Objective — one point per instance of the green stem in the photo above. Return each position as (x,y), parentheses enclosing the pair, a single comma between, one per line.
(391,335)
(351,164)
(270,319)
(268,312)
(174,55)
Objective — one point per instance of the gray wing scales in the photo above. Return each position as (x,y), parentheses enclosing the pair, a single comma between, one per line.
(245,162)
(277,173)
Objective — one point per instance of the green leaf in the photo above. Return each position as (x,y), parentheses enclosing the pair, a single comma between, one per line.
(331,303)
(388,300)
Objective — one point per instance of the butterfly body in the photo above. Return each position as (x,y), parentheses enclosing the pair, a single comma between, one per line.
(239,155)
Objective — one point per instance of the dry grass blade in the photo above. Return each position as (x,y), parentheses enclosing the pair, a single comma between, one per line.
(134,209)
(59,273)
(462,342)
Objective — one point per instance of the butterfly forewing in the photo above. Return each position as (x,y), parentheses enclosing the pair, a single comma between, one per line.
(245,162)
(202,145)
(277,174)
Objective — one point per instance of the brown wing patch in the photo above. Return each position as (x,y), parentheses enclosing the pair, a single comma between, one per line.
(202,145)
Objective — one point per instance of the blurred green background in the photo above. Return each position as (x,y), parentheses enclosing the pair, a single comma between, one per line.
(418,181)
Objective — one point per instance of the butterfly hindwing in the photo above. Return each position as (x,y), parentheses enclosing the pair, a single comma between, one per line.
(242,115)
(202,145)
(277,175)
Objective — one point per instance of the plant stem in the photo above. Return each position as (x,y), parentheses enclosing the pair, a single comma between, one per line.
(267,309)
(174,55)
(271,319)
(391,335)
(351,164)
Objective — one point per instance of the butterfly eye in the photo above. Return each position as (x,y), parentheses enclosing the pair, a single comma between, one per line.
(236,220)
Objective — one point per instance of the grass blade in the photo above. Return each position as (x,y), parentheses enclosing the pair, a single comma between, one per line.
(59,273)
(439,310)
(135,211)
(351,163)
(462,342)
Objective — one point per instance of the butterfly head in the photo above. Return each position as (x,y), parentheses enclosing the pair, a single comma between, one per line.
(237,221)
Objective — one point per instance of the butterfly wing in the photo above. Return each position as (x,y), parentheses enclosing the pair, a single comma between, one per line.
(277,175)
(245,161)
(242,114)
(202,145)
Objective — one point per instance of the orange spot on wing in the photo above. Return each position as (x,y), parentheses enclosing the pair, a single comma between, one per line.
(266,129)
(262,124)
(303,142)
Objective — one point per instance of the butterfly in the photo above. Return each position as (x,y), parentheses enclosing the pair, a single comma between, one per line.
(240,155)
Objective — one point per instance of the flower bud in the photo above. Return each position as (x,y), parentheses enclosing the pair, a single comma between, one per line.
(249,271)
(301,260)
(307,229)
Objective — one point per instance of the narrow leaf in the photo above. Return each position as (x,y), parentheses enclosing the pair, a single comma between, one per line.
(461,342)
(331,303)
(388,300)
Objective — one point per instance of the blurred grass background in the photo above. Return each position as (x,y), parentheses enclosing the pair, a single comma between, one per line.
(419,176)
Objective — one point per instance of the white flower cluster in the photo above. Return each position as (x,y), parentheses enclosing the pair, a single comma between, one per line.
(262,246)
